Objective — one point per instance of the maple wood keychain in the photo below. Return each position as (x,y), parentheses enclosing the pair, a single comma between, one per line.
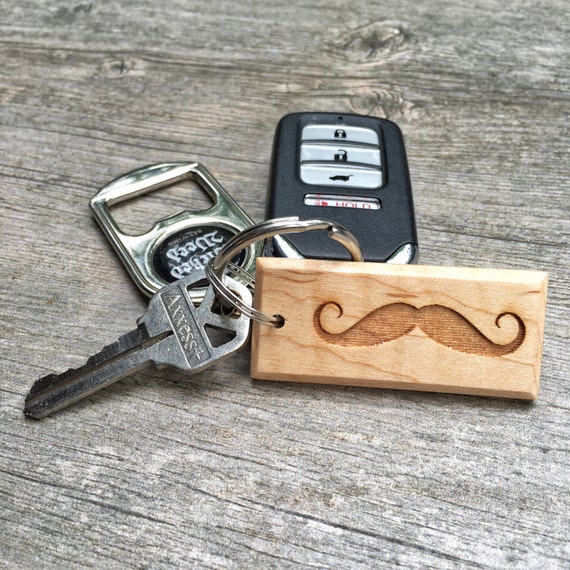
(412,327)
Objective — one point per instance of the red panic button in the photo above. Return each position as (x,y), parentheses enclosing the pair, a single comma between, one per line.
(343,201)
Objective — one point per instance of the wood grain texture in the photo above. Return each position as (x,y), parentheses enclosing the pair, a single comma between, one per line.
(217,470)
(441,329)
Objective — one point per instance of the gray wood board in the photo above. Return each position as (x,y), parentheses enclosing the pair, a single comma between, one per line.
(216,470)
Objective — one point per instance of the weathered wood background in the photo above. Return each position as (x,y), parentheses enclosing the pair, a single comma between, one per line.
(217,470)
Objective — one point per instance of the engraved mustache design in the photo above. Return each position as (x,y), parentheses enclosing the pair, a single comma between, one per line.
(442,324)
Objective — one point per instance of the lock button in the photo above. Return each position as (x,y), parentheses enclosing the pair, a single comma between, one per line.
(346,133)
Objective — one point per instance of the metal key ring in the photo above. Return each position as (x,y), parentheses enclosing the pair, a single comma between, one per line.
(216,268)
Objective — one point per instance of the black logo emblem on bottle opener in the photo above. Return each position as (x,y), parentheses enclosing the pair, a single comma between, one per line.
(190,250)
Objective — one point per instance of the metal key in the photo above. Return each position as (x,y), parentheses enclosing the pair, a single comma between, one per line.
(173,332)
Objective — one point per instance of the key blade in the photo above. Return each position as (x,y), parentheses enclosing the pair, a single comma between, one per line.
(116,361)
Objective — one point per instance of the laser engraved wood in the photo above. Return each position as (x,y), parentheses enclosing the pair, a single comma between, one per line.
(413,327)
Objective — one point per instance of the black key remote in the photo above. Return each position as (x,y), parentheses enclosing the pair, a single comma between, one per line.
(350,169)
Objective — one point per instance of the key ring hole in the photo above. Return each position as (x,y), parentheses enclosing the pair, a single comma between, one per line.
(216,269)
(218,307)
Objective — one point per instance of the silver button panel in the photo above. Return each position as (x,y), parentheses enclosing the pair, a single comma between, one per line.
(341,155)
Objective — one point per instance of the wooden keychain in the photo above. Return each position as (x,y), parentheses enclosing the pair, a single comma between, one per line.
(410,327)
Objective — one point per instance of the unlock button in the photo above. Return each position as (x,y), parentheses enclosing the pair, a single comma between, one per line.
(327,152)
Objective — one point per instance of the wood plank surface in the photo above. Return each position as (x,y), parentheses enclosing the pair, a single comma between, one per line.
(218,470)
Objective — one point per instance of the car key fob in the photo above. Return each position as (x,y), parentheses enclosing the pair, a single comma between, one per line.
(350,169)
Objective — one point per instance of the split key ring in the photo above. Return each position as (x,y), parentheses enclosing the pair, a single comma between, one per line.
(216,268)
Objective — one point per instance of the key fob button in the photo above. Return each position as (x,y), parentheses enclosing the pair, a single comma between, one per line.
(348,176)
(313,151)
(345,133)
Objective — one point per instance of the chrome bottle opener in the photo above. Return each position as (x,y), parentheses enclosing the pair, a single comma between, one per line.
(178,245)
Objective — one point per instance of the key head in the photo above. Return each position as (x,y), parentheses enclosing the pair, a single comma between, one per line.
(194,334)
